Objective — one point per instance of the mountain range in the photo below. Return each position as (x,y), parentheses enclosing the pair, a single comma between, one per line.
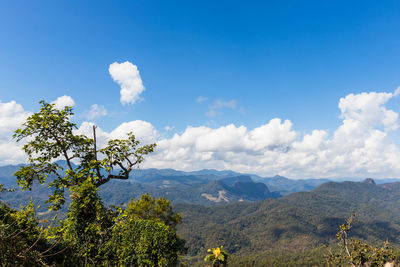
(205,187)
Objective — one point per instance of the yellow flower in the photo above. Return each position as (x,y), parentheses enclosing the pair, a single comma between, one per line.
(216,252)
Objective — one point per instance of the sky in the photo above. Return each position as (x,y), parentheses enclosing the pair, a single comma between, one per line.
(295,88)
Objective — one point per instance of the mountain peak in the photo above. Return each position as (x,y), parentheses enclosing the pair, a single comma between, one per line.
(369,181)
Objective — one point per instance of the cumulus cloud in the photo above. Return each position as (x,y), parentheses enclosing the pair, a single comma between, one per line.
(11,152)
(218,104)
(127,76)
(225,147)
(96,111)
(63,101)
(368,109)
(142,130)
(12,115)
(86,128)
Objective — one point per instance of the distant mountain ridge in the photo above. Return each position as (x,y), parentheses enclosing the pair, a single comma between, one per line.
(207,187)
(170,183)
(286,186)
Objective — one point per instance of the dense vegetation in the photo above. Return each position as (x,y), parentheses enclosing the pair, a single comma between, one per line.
(296,227)
(290,230)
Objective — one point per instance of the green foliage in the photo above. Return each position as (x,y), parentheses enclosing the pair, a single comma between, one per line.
(311,258)
(218,257)
(18,232)
(353,252)
(294,223)
(150,208)
(88,224)
(93,234)
(144,243)
(144,234)
(22,241)
(4,189)
(50,135)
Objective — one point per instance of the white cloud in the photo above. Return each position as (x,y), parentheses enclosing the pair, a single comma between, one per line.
(127,76)
(11,152)
(96,111)
(12,116)
(86,128)
(369,110)
(143,131)
(63,101)
(218,104)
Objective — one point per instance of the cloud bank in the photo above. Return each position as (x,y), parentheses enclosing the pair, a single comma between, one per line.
(360,147)
(127,76)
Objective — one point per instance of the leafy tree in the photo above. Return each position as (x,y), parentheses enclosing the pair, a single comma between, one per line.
(49,135)
(218,257)
(23,242)
(355,253)
(88,225)
(137,242)
(150,208)
(94,234)
(18,232)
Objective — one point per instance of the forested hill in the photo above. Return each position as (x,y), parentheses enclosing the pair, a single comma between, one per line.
(297,222)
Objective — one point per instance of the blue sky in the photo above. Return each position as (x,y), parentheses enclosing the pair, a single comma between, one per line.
(250,61)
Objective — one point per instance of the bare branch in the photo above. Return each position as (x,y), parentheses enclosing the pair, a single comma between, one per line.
(95,152)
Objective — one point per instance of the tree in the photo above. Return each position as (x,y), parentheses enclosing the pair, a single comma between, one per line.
(355,253)
(96,234)
(150,208)
(49,136)
(137,242)
(88,225)
(23,242)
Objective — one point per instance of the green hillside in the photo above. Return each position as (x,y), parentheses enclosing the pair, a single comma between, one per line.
(296,223)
